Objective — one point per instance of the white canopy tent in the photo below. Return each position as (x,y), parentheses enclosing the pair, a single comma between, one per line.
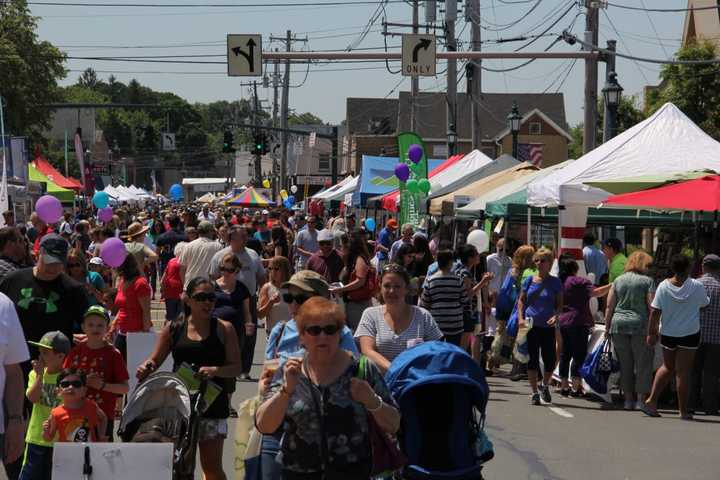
(667,142)
(339,194)
(328,192)
(462,172)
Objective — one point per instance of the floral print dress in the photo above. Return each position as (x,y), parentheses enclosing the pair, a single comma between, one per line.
(328,414)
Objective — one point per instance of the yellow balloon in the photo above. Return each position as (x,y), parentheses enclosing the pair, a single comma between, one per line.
(283,194)
(266,183)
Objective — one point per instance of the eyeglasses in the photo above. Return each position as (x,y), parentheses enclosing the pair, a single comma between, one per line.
(229,269)
(70,383)
(204,297)
(315,330)
(299,299)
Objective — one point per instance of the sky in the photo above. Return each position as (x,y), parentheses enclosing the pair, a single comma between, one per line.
(323,88)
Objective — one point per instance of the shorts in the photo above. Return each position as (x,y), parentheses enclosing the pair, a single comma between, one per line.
(689,342)
(212,429)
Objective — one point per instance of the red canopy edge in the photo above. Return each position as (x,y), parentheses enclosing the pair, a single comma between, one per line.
(56,177)
(700,194)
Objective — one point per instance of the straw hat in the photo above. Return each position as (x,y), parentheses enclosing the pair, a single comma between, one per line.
(135,230)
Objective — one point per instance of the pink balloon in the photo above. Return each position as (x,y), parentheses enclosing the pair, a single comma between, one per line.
(402,171)
(105,214)
(113,252)
(49,209)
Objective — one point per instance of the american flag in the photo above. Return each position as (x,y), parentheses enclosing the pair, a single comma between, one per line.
(531,152)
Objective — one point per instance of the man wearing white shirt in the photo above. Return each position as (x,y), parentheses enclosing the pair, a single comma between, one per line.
(206,214)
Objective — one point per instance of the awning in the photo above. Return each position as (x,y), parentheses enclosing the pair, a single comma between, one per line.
(643,182)
(44,167)
(250,198)
(63,194)
(701,194)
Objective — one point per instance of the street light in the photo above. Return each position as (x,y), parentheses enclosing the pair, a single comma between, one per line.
(451,139)
(612,93)
(513,120)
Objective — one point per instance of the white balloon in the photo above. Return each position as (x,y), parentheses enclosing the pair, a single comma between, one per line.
(479,240)
(293,189)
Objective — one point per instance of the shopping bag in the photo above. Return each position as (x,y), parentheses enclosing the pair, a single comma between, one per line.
(243,431)
(591,371)
(521,352)
(253,456)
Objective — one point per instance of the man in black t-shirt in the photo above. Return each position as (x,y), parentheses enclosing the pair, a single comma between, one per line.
(166,242)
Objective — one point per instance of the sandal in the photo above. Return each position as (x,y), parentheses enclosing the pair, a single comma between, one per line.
(649,411)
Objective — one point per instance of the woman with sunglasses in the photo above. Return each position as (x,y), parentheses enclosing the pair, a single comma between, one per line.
(232,297)
(539,305)
(93,281)
(389,329)
(271,305)
(321,404)
(202,340)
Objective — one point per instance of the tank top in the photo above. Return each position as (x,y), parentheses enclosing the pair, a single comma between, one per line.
(209,352)
(278,312)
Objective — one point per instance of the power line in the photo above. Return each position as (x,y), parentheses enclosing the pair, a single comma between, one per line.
(499,27)
(652,24)
(216,5)
(661,10)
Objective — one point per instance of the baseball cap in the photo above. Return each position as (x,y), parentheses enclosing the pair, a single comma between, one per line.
(55,341)
(309,281)
(54,249)
(97,261)
(98,310)
(325,235)
(711,260)
(392,224)
(265,212)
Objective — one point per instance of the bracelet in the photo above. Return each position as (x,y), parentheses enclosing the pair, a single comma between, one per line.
(284,390)
(380,404)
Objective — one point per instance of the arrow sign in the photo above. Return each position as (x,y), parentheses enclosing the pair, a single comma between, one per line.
(424,44)
(244,55)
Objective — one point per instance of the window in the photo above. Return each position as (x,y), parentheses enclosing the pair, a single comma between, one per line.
(324,162)
(535,128)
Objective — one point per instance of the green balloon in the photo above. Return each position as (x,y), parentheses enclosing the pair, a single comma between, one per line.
(412,186)
(424,185)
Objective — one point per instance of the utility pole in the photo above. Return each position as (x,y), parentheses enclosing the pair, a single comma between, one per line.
(414,81)
(258,156)
(451,44)
(275,84)
(474,74)
(592,20)
(609,68)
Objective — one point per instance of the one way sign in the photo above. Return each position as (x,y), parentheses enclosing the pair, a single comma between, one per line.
(418,55)
(244,55)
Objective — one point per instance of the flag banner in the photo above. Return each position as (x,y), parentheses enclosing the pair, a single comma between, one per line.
(411,202)
(4,203)
(531,153)
(80,155)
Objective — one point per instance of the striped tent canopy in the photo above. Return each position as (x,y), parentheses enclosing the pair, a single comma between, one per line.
(250,198)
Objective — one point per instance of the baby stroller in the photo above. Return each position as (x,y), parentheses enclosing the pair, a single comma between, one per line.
(441,392)
(162,410)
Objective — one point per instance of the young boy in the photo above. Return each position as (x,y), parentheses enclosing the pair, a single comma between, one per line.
(77,419)
(103,364)
(42,392)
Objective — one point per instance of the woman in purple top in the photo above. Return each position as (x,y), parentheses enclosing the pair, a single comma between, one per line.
(576,322)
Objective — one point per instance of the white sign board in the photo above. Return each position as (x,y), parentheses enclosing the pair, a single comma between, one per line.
(168,142)
(312,139)
(113,461)
(418,55)
(139,347)
(440,151)
(244,55)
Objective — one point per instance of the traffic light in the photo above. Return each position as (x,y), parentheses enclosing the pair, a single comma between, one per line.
(257,144)
(228,142)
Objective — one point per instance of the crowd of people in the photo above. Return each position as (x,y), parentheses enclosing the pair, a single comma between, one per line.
(332,297)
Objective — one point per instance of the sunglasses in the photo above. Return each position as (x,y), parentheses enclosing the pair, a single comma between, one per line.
(229,270)
(315,330)
(71,383)
(204,297)
(299,299)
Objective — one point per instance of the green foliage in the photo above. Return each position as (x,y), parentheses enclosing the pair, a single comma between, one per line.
(694,89)
(575,148)
(29,70)
(306,118)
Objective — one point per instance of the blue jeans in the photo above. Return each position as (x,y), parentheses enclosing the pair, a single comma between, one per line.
(38,463)
(173,308)
(270,467)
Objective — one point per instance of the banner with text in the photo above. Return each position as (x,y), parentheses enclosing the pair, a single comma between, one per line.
(410,201)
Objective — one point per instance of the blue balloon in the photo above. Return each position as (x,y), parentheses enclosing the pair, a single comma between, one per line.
(370,224)
(176,192)
(101,200)
(291,199)
(287,203)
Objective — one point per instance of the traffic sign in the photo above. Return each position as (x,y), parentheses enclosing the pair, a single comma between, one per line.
(418,55)
(168,142)
(244,55)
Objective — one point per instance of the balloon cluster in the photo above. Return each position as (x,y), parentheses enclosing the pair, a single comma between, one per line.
(289,202)
(402,172)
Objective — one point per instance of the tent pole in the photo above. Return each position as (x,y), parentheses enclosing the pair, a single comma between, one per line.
(715,232)
(529,225)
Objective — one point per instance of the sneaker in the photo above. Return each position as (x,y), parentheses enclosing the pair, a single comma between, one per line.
(545,392)
(565,392)
(519,376)
(648,410)
(638,405)
(535,399)
(629,405)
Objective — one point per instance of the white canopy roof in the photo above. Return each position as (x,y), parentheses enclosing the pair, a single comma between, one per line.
(340,193)
(459,173)
(667,142)
(330,192)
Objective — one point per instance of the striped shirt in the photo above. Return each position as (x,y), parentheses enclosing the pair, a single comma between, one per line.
(710,315)
(389,344)
(446,299)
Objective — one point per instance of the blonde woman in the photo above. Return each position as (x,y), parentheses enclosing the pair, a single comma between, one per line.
(271,305)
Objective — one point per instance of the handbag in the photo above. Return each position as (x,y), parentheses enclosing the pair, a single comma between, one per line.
(605,361)
(247,441)
(368,290)
(386,456)
(591,371)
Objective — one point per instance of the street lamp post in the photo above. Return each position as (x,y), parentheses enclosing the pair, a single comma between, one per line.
(451,140)
(513,121)
(612,93)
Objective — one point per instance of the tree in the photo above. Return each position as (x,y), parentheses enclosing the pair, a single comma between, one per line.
(29,70)
(694,89)
(575,148)
(88,79)
(306,118)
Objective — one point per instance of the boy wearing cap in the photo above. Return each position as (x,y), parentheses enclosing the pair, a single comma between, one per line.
(42,392)
(102,364)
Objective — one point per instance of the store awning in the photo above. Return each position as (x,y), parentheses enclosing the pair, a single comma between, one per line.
(701,194)
(44,167)
(63,194)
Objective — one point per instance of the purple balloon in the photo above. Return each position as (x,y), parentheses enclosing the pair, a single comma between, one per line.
(105,214)
(113,252)
(415,153)
(402,171)
(49,209)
